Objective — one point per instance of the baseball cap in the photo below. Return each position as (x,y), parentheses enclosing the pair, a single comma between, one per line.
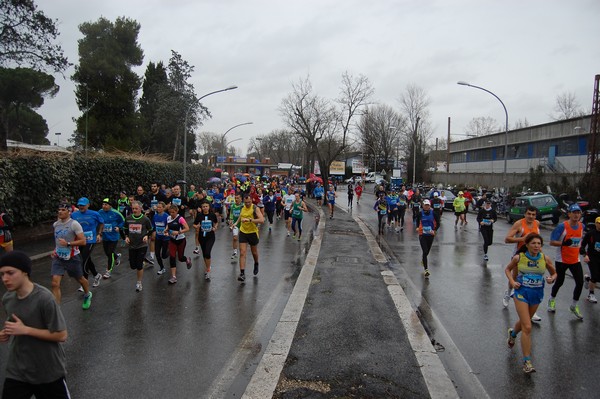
(597,219)
(426,202)
(18,260)
(574,208)
(106,201)
(83,201)
(460,193)
(436,194)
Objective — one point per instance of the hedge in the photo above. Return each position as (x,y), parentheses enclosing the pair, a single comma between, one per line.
(32,184)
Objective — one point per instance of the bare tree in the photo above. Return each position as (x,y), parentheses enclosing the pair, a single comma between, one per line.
(316,120)
(521,123)
(380,130)
(482,126)
(567,107)
(414,104)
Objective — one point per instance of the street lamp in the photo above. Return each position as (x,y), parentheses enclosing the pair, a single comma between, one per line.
(185,128)
(462,83)
(57,138)
(228,130)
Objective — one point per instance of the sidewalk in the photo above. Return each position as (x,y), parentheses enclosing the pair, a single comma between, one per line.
(348,329)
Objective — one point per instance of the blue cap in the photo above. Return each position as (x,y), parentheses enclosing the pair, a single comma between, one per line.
(574,208)
(83,201)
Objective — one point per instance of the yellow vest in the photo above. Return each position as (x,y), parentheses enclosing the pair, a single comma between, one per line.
(248,227)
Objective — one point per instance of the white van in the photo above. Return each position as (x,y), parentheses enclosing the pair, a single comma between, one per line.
(372,177)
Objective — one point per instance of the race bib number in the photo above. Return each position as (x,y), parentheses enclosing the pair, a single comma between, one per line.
(597,246)
(576,242)
(206,226)
(402,203)
(108,227)
(436,206)
(533,280)
(135,228)
(427,230)
(63,253)
(236,213)
(160,230)
(296,212)
(153,204)
(177,201)
(89,235)
(487,222)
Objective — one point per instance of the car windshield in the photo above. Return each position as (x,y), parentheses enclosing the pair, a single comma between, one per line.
(543,201)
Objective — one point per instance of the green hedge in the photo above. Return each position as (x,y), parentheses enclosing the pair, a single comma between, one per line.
(31,185)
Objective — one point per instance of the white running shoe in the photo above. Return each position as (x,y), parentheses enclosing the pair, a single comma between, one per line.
(506,299)
(97,279)
(536,317)
(592,298)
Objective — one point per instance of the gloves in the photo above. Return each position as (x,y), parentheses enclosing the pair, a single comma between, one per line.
(567,243)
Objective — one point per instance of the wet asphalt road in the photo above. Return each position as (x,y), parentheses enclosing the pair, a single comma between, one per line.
(188,340)
(463,298)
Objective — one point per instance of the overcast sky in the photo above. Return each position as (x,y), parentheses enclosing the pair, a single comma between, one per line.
(525,51)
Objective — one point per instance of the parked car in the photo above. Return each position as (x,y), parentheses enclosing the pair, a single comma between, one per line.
(546,205)
(354,180)
(372,177)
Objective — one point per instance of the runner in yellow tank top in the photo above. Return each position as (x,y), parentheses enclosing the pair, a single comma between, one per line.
(248,221)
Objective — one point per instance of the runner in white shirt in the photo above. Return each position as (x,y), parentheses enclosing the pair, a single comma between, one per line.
(288,200)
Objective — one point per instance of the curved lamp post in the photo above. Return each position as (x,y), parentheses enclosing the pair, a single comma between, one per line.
(223,146)
(185,128)
(462,83)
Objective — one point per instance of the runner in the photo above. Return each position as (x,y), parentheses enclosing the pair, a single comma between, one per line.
(6,226)
(516,235)
(248,220)
(531,265)
(268,201)
(206,223)
(331,194)
(567,237)
(36,327)
(113,223)
(428,223)
(437,205)
(92,225)
(138,229)
(234,217)
(160,235)
(350,195)
(298,209)
(415,201)
(486,217)
(358,190)
(154,197)
(381,207)
(176,228)
(288,200)
(459,209)
(318,193)
(591,242)
(402,205)
(68,236)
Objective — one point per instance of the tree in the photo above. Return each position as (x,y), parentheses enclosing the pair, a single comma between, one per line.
(27,37)
(414,103)
(482,126)
(155,80)
(567,107)
(316,120)
(521,123)
(380,129)
(22,90)
(107,87)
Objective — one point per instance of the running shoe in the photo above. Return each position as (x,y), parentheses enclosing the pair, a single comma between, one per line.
(511,340)
(97,279)
(188,262)
(299,238)
(528,367)
(402,228)
(172,280)
(294,237)
(106,274)
(233,255)
(80,289)
(427,274)
(485,258)
(149,260)
(269,229)
(575,310)
(242,277)
(586,282)
(288,233)
(87,301)
(138,286)
(161,271)
(207,276)
(196,251)
(536,317)
(118,260)
(552,305)
(506,299)
(592,298)
(255,268)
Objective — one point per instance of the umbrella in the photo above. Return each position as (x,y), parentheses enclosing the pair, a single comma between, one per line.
(242,178)
(214,180)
